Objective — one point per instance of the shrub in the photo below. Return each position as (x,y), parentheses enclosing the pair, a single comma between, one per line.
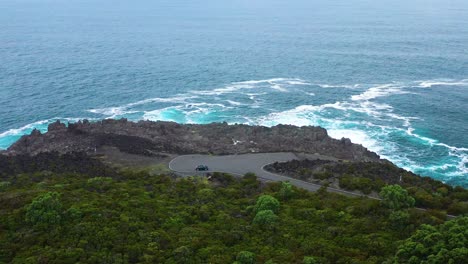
(396,198)
(399,219)
(286,191)
(267,202)
(45,210)
(99,184)
(250,176)
(245,257)
(265,218)
(458,208)
(349,182)
(182,254)
(223,178)
(4,185)
(310,260)
(206,195)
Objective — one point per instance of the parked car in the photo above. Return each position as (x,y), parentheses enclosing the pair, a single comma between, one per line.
(202,168)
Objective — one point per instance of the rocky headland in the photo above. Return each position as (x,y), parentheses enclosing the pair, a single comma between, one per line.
(150,138)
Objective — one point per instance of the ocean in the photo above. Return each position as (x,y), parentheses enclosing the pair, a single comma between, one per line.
(390,75)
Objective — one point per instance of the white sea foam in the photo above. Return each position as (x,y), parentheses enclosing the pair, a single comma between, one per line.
(176,99)
(278,87)
(379,91)
(406,119)
(112,112)
(462,154)
(348,86)
(298,82)
(300,116)
(21,130)
(228,89)
(273,80)
(421,84)
(158,114)
(277,84)
(202,105)
(109,111)
(460,169)
(305,115)
(41,125)
(430,141)
(444,82)
(235,87)
(452,148)
(463,165)
(357,136)
(253,96)
(365,133)
(187,113)
(234,102)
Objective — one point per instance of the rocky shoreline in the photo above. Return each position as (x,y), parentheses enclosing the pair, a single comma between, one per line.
(150,138)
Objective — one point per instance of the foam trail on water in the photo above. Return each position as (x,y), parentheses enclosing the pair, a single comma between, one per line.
(277,84)
(234,102)
(379,91)
(112,112)
(275,80)
(348,86)
(445,82)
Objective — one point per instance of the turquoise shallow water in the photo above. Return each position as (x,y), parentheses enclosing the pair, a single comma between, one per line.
(391,75)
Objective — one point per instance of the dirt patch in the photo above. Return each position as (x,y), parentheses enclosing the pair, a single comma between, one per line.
(113,156)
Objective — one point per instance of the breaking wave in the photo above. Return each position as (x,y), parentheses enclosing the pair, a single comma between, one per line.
(9,137)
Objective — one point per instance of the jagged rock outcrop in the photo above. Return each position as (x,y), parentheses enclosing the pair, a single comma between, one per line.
(150,138)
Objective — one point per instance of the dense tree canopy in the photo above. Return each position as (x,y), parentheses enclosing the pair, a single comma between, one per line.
(137,217)
(446,243)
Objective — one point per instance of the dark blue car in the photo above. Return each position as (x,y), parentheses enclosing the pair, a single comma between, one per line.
(201,168)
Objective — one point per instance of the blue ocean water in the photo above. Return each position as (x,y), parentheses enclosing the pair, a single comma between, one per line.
(391,75)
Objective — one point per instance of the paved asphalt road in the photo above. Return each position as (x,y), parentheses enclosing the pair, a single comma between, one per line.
(242,164)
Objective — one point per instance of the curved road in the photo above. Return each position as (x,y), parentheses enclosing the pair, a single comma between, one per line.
(242,164)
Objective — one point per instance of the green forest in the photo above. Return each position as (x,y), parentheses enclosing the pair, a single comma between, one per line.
(138,216)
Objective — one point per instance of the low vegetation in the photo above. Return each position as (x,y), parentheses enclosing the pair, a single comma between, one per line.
(371,177)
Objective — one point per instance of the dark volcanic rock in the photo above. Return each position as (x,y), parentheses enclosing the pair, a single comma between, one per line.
(148,138)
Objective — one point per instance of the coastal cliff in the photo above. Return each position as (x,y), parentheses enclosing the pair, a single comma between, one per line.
(153,138)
